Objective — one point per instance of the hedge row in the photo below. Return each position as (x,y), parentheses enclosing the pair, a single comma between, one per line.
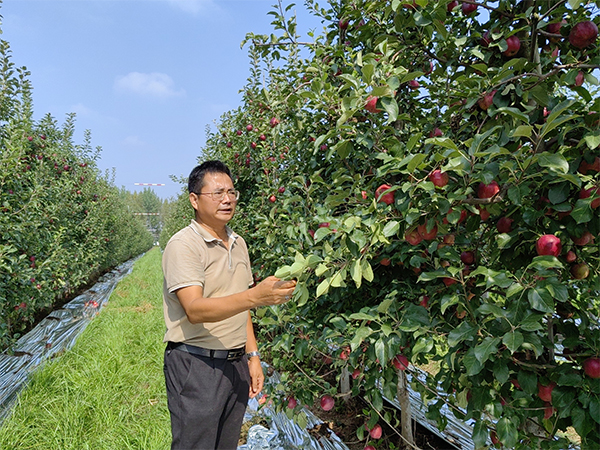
(62,221)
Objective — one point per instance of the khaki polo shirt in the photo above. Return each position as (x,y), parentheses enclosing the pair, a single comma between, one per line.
(193,257)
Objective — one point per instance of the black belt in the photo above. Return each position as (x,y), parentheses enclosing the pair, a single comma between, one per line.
(229,355)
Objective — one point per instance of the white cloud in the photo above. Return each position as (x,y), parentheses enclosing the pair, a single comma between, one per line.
(194,6)
(81,110)
(133,141)
(148,84)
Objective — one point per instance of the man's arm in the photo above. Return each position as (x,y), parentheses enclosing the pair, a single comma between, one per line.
(257,377)
(200,309)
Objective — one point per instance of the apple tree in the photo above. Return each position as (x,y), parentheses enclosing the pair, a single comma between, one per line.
(430,173)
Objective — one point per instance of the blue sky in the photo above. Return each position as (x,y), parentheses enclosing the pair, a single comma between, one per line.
(146,77)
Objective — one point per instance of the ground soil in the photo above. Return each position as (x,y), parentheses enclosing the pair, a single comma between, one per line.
(347,417)
(344,421)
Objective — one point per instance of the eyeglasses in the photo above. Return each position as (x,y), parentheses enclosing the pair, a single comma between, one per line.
(218,196)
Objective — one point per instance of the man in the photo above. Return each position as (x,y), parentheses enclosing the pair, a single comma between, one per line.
(212,364)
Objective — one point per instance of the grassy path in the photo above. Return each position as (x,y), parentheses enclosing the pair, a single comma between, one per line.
(108,391)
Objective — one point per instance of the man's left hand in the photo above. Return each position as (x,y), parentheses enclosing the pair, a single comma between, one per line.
(257,377)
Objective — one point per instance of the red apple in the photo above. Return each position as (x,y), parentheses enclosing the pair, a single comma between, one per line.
(580,271)
(371,104)
(486,101)
(385,261)
(400,362)
(504,225)
(272,199)
(591,367)
(388,198)
(453,4)
(468,8)
(414,84)
(376,432)
(488,190)
(570,256)
(229,144)
(343,24)
(583,34)
(253,145)
(281,190)
(579,78)
(424,301)
(262,137)
(514,44)
(484,214)
(449,281)
(327,402)
(413,237)
(356,373)
(587,193)
(438,178)
(486,39)
(494,438)
(436,132)
(238,132)
(545,391)
(427,235)
(548,244)
(292,403)
(585,167)
(548,411)
(467,257)
(274,122)
(249,127)
(554,28)
(584,239)
(369,447)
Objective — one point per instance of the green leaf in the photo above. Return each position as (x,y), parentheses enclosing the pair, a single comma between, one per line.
(465,331)
(592,139)
(442,142)
(361,316)
(570,379)
(361,334)
(541,300)
(582,212)
(367,271)
(391,107)
(545,262)
(323,287)
(283,272)
(356,272)
(522,131)
(595,408)
(344,148)
(391,228)
(471,362)
(507,432)
(554,162)
(415,161)
(512,340)
(488,347)
(381,351)
(447,301)
(423,345)
(527,381)
(367,72)
(480,433)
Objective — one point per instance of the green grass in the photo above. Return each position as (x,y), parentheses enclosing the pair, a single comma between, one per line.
(107,392)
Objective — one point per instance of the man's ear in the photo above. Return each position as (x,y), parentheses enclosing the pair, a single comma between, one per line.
(194,200)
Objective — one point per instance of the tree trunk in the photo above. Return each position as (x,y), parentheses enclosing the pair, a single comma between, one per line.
(405,410)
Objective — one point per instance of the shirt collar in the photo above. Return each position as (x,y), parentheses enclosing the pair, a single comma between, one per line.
(203,232)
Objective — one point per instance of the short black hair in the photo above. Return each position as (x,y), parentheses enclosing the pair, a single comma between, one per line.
(196,178)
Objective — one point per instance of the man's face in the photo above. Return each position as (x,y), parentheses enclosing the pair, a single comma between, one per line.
(215,213)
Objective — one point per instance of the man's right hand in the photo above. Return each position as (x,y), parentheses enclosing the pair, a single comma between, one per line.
(273,291)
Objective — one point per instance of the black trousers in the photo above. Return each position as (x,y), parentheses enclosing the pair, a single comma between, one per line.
(207,400)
